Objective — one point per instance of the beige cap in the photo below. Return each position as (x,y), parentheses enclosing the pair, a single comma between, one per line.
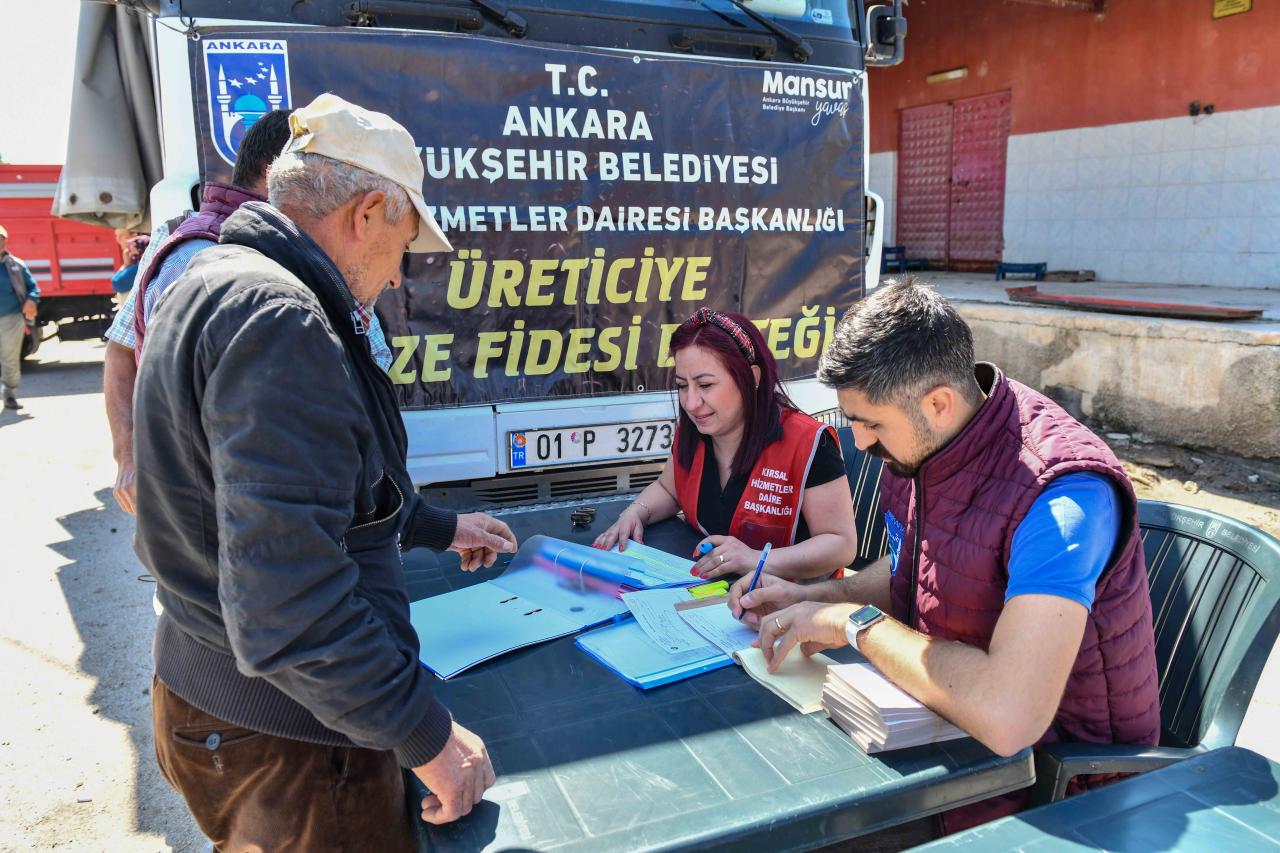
(332,127)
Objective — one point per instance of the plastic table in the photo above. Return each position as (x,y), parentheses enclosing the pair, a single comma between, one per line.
(585,761)
(1227,799)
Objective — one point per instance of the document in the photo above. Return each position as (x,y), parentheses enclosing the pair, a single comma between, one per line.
(712,619)
(655,610)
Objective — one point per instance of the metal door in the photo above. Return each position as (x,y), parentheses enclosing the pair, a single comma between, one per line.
(951,165)
(924,181)
(978,141)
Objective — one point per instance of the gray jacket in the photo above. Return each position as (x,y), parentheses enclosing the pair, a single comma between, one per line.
(273,498)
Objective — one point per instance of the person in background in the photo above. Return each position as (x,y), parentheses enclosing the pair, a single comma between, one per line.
(1013,600)
(166,257)
(19,298)
(131,252)
(747,467)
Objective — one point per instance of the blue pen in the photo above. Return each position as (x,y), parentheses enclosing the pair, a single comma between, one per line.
(704,548)
(764,555)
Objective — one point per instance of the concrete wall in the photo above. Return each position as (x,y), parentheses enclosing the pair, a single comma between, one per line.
(1176,200)
(1105,168)
(1189,383)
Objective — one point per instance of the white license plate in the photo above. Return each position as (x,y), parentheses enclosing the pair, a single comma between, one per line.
(538,448)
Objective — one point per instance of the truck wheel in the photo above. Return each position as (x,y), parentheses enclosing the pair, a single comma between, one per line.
(31,340)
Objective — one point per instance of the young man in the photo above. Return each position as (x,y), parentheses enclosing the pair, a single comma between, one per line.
(18,301)
(166,258)
(273,503)
(1014,597)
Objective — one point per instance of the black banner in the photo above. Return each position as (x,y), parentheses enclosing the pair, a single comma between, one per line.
(595,199)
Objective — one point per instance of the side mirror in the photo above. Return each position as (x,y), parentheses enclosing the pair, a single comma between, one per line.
(886,34)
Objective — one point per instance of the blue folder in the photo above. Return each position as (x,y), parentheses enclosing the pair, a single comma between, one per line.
(626,649)
(552,588)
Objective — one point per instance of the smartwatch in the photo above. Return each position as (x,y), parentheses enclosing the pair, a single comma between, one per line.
(859,620)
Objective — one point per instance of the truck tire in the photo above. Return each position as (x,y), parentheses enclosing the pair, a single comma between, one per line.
(31,340)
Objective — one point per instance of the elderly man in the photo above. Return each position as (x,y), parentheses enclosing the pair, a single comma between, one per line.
(17,308)
(273,505)
(1014,598)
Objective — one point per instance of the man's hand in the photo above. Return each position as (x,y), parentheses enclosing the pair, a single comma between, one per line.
(479,540)
(457,778)
(810,624)
(29,310)
(126,490)
(771,594)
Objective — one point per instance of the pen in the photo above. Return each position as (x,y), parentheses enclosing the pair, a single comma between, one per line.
(704,548)
(764,555)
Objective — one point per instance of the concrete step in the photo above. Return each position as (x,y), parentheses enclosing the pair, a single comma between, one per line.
(1187,382)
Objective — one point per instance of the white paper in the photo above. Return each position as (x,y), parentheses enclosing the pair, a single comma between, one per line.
(655,610)
(717,624)
(658,564)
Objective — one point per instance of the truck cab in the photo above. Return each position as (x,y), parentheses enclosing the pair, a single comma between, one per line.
(602,167)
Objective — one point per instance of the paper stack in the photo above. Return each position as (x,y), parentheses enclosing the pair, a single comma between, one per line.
(878,715)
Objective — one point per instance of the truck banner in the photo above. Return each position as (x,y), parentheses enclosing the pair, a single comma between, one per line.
(594,199)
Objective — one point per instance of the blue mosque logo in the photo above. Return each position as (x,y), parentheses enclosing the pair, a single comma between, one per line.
(246,78)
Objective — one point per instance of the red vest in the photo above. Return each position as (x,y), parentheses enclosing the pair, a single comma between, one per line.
(955,523)
(219,202)
(769,510)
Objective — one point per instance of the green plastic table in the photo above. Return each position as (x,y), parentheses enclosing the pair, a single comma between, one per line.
(585,761)
(1224,800)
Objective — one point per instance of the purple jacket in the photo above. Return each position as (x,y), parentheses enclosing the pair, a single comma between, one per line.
(959,515)
(219,202)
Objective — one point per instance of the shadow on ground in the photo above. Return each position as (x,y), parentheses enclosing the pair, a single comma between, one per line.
(109,601)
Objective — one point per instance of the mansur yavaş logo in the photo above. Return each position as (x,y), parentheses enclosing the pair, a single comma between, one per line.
(812,95)
(246,79)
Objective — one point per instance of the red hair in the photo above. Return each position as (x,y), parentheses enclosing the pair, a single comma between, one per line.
(761,403)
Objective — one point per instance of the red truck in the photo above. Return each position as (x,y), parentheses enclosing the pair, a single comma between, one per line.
(72,262)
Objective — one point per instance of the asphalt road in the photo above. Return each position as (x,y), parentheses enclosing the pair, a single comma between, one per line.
(77,765)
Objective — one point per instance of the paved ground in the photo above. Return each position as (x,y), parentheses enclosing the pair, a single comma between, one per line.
(76,760)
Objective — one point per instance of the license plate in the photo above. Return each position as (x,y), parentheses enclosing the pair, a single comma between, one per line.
(538,448)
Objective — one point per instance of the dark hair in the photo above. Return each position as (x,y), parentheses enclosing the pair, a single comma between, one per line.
(262,143)
(761,403)
(898,343)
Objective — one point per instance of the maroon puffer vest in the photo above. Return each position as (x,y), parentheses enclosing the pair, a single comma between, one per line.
(219,202)
(959,515)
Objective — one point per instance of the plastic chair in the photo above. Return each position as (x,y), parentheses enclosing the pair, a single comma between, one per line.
(863,471)
(1215,600)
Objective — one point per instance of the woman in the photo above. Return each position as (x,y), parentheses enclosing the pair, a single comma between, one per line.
(748,468)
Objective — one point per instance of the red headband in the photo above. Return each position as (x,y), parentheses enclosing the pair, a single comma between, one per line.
(708,317)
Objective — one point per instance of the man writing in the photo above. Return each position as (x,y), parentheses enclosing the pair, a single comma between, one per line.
(1014,598)
(273,504)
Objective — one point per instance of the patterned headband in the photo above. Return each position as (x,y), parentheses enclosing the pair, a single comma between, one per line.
(707,317)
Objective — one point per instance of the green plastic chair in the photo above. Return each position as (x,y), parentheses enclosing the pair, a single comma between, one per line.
(863,471)
(1215,600)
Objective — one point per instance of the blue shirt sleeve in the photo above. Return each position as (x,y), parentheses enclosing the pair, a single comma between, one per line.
(1062,545)
(33,289)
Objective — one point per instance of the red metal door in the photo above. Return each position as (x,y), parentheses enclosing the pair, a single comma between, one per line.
(978,140)
(924,181)
(951,165)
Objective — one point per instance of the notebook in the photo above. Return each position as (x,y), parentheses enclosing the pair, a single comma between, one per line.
(877,714)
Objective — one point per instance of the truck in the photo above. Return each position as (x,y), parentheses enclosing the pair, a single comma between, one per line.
(602,167)
(72,262)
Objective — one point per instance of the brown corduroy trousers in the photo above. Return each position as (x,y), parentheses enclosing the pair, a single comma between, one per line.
(250,791)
